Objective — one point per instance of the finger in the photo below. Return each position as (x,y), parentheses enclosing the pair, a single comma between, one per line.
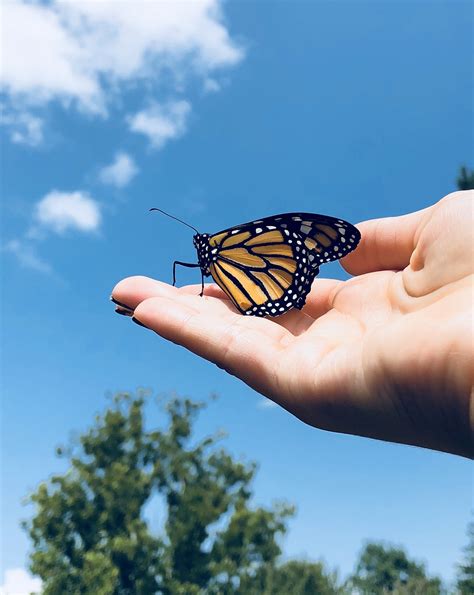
(318,303)
(247,347)
(386,244)
(210,289)
(320,299)
(295,321)
(130,292)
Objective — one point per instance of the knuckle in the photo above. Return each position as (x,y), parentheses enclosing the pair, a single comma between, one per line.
(457,195)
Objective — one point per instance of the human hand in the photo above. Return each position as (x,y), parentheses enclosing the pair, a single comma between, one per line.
(387,354)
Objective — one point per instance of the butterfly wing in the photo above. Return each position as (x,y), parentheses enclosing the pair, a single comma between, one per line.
(263,268)
(326,238)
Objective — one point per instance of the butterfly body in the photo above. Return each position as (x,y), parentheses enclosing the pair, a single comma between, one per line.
(267,266)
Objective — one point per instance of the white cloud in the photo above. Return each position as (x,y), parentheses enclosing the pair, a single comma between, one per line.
(26,255)
(82,53)
(265,403)
(60,211)
(19,582)
(211,86)
(161,123)
(120,172)
(56,212)
(25,129)
(42,59)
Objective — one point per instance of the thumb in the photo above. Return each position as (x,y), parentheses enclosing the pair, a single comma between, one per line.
(386,244)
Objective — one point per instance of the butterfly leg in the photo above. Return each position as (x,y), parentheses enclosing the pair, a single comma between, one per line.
(183,264)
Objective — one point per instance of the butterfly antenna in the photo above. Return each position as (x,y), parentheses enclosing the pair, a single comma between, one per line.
(175,218)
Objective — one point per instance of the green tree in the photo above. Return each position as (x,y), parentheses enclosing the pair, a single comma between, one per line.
(385,569)
(294,577)
(465,575)
(90,534)
(465,180)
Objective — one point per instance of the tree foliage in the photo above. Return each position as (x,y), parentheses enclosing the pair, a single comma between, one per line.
(465,180)
(465,575)
(385,569)
(92,527)
(90,534)
(297,577)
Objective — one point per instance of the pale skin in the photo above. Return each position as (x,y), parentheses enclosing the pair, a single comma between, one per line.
(387,354)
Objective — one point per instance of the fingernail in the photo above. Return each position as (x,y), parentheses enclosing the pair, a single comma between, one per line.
(112,299)
(138,322)
(123,311)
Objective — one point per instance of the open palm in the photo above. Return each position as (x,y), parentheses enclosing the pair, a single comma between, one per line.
(386,354)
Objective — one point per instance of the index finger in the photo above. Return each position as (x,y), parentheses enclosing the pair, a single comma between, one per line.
(247,347)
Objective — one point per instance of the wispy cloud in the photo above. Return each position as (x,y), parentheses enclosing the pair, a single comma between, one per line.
(120,172)
(210,85)
(25,253)
(24,128)
(19,582)
(61,211)
(86,57)
(57,212)
(94,50)
(161,123)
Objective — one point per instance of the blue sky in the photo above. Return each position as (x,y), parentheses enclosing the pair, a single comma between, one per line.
(354,109)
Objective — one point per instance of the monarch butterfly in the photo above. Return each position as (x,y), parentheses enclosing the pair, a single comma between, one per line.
(267,266)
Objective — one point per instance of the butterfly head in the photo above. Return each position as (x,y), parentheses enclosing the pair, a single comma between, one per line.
(203,249)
